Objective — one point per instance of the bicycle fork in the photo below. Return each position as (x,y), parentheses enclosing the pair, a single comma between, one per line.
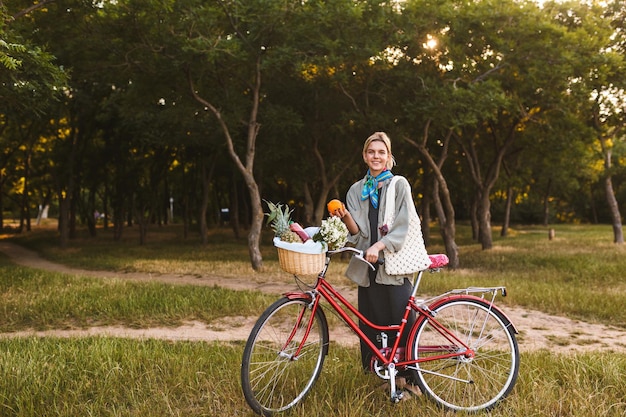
(312,306)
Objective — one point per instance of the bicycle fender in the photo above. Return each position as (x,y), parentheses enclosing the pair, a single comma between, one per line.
(295,295)
(486,303)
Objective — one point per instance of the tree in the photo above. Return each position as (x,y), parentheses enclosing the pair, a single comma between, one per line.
(261,42)
(30,84)
(240,36)
(338,87)
(221,103)
(608,103)
(493,56)
(441,194)
(31,79)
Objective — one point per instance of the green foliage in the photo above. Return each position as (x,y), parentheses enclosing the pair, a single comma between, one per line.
(6,59)
(120,129)
(31,80)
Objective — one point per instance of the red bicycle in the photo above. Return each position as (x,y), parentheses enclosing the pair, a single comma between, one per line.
(461,350)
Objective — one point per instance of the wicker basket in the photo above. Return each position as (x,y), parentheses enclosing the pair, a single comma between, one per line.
(300,263)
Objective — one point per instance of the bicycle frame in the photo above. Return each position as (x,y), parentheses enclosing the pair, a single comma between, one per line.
(387,357)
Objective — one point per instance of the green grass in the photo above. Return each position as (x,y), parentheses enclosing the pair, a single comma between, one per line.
(42,300)
(166,252)
(119,377)
(577,275)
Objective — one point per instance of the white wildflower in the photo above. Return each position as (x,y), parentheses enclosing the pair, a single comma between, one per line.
(333,232)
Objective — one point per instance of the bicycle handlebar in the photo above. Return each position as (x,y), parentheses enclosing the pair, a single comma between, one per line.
(357,254)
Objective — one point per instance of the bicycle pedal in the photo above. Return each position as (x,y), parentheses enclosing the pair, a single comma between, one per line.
(397,396)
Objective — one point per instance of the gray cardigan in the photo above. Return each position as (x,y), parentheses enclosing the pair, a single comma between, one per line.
(357,270)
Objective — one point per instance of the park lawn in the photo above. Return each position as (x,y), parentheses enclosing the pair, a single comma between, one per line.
(579,274)
(580,277)
(122,377)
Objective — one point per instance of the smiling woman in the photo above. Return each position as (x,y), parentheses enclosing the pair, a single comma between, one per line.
(382,293)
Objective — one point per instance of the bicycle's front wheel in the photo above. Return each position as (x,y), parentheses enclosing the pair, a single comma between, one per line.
(465,382)
(281,362)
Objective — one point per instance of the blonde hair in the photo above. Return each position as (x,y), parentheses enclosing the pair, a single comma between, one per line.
(381,137)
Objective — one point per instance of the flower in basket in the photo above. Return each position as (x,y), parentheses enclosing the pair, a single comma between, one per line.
(333,232)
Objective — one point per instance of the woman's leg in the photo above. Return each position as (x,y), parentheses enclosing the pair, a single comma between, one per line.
(382,305)
(369,298)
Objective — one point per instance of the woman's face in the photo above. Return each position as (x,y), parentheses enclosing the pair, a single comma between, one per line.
(376,157)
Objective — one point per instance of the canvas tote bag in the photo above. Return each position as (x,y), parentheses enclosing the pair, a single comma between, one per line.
(413,256)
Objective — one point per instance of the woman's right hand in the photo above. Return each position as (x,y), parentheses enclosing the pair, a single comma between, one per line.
(341,212)
(334,206)
(371,254)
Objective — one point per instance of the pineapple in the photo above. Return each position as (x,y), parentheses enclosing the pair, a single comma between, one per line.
(279,220)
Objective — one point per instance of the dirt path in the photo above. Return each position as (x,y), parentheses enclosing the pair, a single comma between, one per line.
(537,330)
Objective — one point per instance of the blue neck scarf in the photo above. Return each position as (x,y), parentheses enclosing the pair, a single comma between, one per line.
(370,188)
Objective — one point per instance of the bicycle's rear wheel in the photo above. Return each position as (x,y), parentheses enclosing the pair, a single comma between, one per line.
(272,379)
(460,383)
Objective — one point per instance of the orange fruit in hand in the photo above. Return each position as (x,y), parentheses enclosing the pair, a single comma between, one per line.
(333,206)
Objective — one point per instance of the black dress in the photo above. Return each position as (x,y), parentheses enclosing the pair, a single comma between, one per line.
(381,304)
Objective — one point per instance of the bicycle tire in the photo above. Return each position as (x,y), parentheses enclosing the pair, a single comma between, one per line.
(461,383)
(272,380)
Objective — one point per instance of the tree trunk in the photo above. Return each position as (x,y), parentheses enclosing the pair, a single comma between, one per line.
(507,212)
(546,203)
(204,204)
(246,170)
(594,209)
(64,210)
(484,221)
(65,191)
(90,212)
(118,217)
(605,145)
(484,182)
(448,227)
(618,233)
(73,212)
(24,211)
(143,219)
(474,219)
(254,237)
(309,210)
